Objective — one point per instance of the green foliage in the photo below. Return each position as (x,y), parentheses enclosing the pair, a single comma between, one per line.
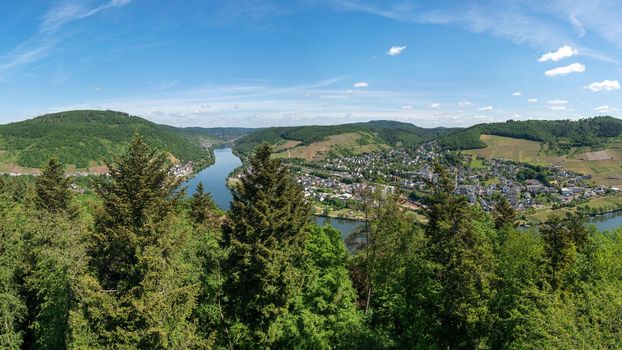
(264,237)
(389,132)
(139,267)
(562,239)
(559,134)
(325,315)
(519,288)
(55,255)
(390,256)
(461,269)
(142,292)
(84,137)
(52,188)
(201,205)
(504,214)
(13,310)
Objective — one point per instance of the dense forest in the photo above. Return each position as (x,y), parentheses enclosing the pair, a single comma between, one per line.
(134,264)
(559,134)
(82,138)
(387,132)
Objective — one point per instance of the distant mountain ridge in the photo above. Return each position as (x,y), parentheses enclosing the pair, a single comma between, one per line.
(381,132)
(86,137)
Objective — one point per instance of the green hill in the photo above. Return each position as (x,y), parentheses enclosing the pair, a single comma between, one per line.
(560,135)
(374,134)
(86,138)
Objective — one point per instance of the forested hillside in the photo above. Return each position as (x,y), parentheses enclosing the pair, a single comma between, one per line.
(132,264)
(82,138)
(384,132)
(559,134)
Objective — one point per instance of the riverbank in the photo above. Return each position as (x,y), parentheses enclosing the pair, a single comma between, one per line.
(594,207)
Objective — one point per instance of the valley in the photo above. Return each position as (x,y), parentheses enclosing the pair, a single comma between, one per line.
(539,168)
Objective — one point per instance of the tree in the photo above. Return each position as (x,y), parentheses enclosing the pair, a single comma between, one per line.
(201,205)
(521,272)
(579,234)
(395,251)
(503,213)
(558,248)
(461,268)
(143,291)
(563,239)
(264,236)
(52,188)
(54,253)
(325,315)
(13,309)
(370,199)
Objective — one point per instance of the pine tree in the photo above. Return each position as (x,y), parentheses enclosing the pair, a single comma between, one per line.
(52,188)
(201,205)
(504,214)
(143,292)
(563,238)
(264,236)
(13,310)
(461,268)
(54,252)
(326,316)
(395,243)
(579,233)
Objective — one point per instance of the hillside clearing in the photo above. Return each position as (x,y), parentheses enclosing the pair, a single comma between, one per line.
(605,165)
(519,150)
(340,145)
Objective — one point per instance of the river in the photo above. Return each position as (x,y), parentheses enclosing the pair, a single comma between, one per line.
(214,180)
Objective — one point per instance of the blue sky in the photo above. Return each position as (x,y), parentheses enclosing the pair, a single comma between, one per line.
(265,63)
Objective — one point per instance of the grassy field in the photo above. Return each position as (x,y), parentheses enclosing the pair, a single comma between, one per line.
(513,149)
(342,145)
(605,165)
(477,163)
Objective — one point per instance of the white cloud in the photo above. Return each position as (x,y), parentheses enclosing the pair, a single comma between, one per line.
(435,105)
(517,93)
(606,85)
(465,103)
(534,23)
(578,25)
(558,108)
(487,108)
(532,100)
(561,53)
(360,84)
(557,102)
(407,107)
(604,109)
(565,70)
(396,50)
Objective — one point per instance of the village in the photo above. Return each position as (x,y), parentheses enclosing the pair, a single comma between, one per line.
(337,182)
